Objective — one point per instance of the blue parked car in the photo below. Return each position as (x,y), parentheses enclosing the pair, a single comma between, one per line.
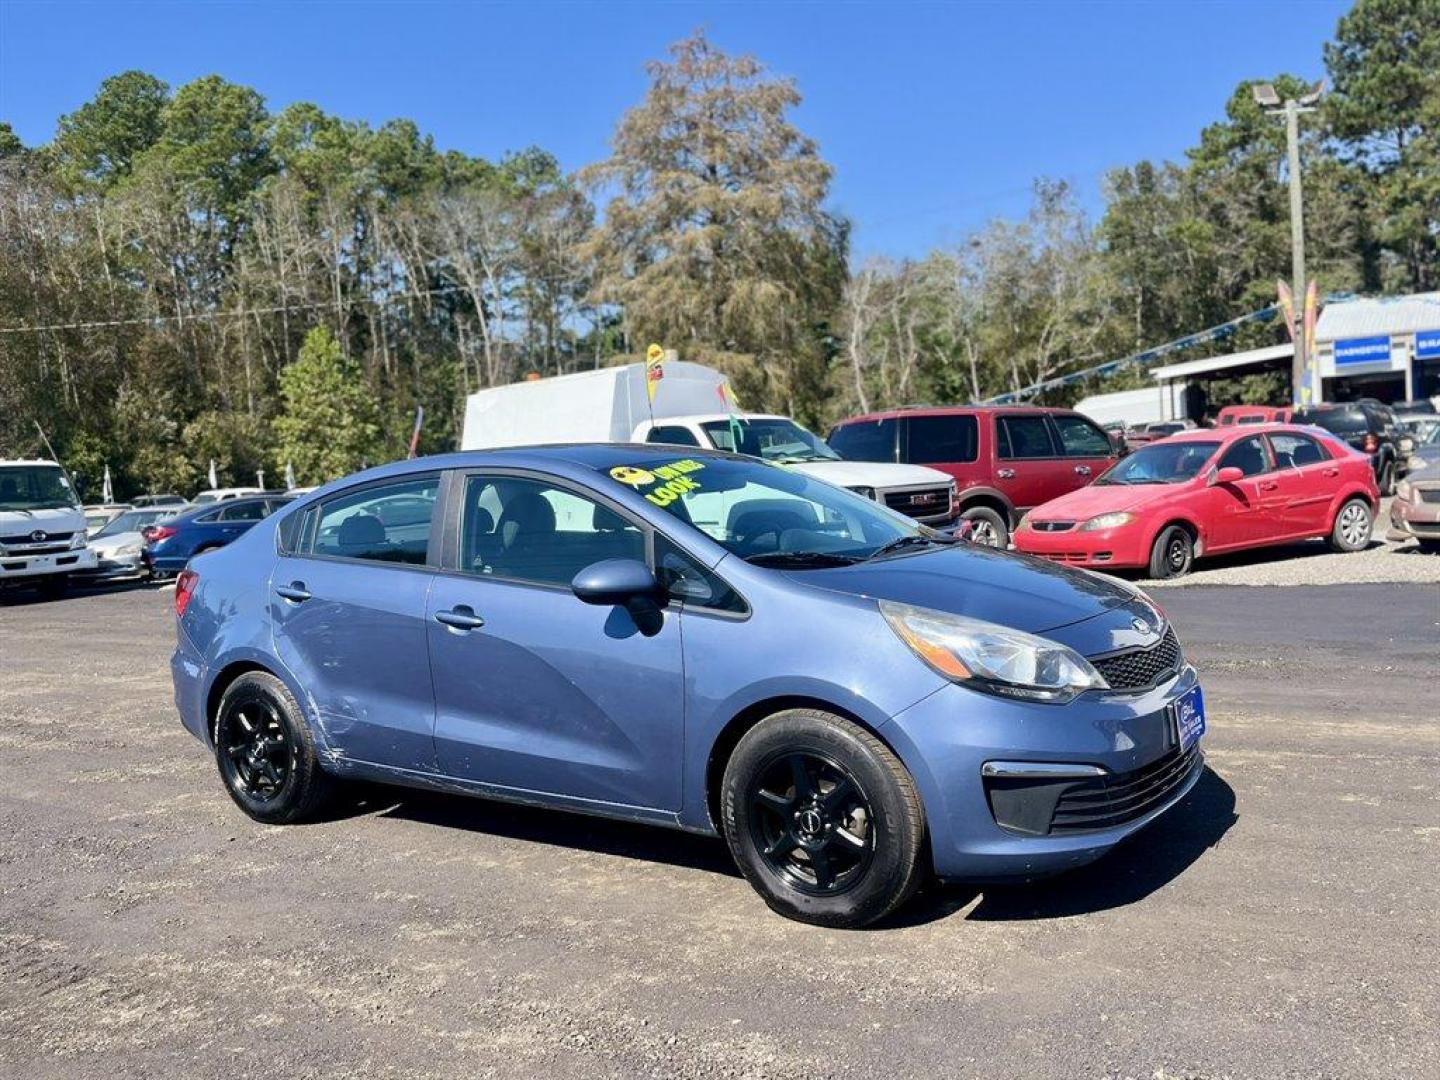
(695,640)
(169,546)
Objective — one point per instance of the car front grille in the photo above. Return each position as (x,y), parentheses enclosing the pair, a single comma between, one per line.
(49,539)
(1140,669)
(1108,801)
(921,502)
(1052,526)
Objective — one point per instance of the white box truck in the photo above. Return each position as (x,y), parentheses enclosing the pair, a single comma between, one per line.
(42,527)
(609,405)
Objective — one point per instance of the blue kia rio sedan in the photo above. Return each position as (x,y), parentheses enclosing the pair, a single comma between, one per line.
(695,640)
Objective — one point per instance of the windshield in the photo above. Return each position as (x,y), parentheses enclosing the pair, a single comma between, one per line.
(1161,463)
(134,521)
(35,487)
(772,516)
(773,440)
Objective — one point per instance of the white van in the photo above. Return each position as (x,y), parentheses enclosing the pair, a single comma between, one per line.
(42,526)
(611,405)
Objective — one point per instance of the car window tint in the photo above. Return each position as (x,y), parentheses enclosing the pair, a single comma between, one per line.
(246,511)
(865,440)
(687,581)
(1080,437)
(673,435)
(1025,437)
(380,522)
(1247,455)
(1296,451)
(935,439)
(530,530)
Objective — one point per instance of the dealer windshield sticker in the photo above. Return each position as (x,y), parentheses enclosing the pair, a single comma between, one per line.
(673,480)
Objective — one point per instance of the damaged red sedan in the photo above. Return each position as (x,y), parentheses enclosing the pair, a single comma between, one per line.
(1205,492)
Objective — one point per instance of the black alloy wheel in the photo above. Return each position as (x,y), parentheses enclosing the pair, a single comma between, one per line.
(255,754)
(811,823)
(1173,553)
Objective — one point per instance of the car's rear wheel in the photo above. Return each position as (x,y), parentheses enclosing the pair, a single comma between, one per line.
(987,527)
(1353,526)
(823,819)
(266,753)
(1173,553)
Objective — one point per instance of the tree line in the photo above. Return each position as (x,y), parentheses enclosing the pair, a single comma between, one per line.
(186,276)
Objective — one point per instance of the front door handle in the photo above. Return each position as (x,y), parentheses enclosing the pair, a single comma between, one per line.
(1269,485)
(295,592)
(1083,470)
(1005,474)
(460,617)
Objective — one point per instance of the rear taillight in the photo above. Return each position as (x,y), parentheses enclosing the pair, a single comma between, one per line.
(1371,443)
(185,585)
(155,533)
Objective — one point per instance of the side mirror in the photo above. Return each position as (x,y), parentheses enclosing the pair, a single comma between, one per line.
(1228,475)
(615,581)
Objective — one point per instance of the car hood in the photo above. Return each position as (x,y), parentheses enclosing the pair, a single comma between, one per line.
(1087,502)
(876,474)
(60,519)
(1001,587)
(106,545)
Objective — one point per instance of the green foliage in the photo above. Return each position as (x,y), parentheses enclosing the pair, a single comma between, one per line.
(99,142)
(329,423)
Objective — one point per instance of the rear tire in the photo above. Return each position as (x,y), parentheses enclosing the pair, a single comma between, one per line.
(1173,553)
(822,819)
(987,527)
(1430,547)
(266,753)
(1352,527)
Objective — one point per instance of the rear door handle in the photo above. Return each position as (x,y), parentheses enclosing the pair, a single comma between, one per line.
(460,617)
(1083,470)
(294,592)
(1005,474)
(1332,472)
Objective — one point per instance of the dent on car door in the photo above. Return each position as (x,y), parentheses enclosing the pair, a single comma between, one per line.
(348,615)
(1245,510)
(535,690)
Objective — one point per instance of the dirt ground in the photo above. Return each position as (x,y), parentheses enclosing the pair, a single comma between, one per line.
(1283,922)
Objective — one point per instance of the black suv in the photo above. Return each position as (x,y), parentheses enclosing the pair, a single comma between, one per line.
(1367,425)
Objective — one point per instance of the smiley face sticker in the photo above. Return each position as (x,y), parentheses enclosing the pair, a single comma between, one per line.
(628,474)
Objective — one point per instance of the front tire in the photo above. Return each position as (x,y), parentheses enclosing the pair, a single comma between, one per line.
(822,819)
(987,527)
(266,753)
(1173,553)
(1353,526)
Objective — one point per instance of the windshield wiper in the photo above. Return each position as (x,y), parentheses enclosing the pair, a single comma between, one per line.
(801,560)
(900,543)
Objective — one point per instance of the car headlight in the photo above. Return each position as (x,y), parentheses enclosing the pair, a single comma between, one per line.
(129,551)
(1108,521)
(1403,490)
(864,492)
(992,658)
(78,540)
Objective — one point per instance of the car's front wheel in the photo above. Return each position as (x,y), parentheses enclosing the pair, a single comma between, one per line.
(1173,553)
(266,752)
(823,819)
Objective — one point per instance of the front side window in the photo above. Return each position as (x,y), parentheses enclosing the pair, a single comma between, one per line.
(1296,451)
(379,523)
(35,487)
(1025,437)
(535,531)
(1080,437)
(934,440)
(865,440)
(1247,455)
(1160,463)
(685,580)
(773,440)
(768,515)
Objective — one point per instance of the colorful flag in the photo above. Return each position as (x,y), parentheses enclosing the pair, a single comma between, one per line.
(415,434)
(727,397)
(1312,310)
(1287,307)
(654,370)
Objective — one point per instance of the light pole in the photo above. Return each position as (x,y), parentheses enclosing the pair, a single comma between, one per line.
(1291,108)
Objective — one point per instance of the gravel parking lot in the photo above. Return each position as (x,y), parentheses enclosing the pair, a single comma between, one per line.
(1282,922)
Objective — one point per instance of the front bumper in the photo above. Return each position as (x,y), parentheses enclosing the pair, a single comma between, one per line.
(1099,549)
(1414,518)
(947,740)
(116,569)
(19,567)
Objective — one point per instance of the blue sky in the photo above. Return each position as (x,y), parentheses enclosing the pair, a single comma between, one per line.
(937,116)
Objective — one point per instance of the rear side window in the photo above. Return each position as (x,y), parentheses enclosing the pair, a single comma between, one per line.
(1296,451)
(1247,455)
(865,440)
(672,434)
(1251,420)
(1025,437)
(1340,421)
(1080,437)
(941,439)
(379,523)
(246,511)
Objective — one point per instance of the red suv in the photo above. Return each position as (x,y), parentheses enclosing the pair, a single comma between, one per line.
(1004,458)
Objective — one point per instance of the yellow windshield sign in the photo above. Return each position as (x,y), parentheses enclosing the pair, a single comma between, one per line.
(666,482)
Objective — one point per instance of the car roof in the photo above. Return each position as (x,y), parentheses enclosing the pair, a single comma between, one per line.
(195,510)
(950,410)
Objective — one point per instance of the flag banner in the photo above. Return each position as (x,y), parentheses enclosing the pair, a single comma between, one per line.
(1312,310)
(1287,307)
(290,484)
(415,434)
(107,494)
(654,369)
(214,483)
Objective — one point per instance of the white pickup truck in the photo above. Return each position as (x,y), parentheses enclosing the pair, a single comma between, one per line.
(42,527)
(610,405)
